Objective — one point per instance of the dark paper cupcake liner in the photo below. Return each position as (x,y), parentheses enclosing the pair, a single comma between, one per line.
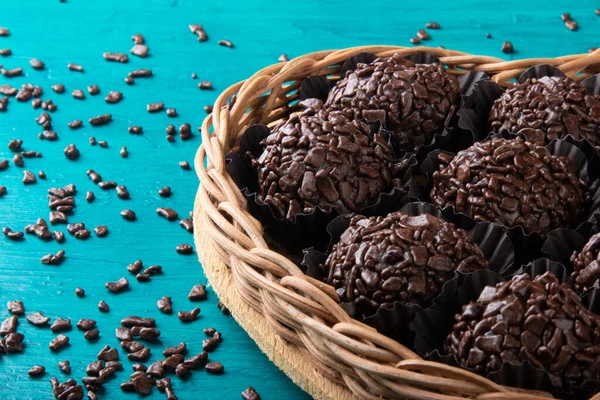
(402,322)
(522,375)
(561,243)
(308,229)
(527,245)
(351,63)
(315,87)
(475,108)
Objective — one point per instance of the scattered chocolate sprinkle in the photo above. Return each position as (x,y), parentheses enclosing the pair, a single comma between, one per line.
(184,165)
(129,215)
(205,85)
(122,192)
(423,35)
(113,97)
(197,361)
(100,120)
(187,224)
(108,354)
(155,107)
(571,25)
(75,67)
(145,333)
(120,57)
(167,213)
(60,325)
(92,334)
(80,292)
(140,73)
(65,366)
(208,108)
(165,192)
(214,368)
(223,308)
(164,305)
(71,152)
(16,307)
(184,248)
(225,43)
(58,342)
(138,38)
(36,371)
(38,319)
(140,50)
(198,293)
(140,355)
(507,47)
(12,235)
(134,320)
(85,324)
(188,316)
(117,286)
(102,306)
(283,58)
(105,185)
(171,112)
(10,73)
(131,346)
(29,177)
(123,334)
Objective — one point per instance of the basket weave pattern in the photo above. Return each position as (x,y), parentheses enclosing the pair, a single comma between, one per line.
(304,311)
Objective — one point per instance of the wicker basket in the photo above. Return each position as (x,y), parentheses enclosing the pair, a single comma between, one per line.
(296,319)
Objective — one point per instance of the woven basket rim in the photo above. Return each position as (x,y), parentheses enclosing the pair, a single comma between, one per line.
(301,310)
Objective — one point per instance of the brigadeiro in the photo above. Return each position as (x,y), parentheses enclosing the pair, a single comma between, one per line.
(538,320)
(320,158)
(586,264)
(414,102)
(548,108)
(513,182)
(398,258)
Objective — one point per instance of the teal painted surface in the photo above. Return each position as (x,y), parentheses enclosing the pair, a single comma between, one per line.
(80,31)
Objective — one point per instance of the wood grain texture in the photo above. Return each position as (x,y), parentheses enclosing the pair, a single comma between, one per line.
(80,31)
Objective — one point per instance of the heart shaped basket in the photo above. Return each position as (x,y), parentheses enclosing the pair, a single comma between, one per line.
(296,320)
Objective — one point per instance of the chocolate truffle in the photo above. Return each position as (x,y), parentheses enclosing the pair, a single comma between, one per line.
(586,265)
(548,108)
(414,102)
(513,182)
(539,320)
(398,258)
(323,159)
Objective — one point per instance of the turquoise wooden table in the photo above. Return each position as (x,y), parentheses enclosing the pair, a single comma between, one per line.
(80,31)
